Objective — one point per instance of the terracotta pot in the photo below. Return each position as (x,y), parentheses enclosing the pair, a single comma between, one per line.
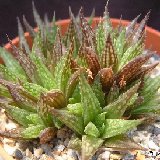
(152,40)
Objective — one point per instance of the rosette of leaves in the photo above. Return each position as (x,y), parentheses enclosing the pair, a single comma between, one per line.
(114,94)
(92,80)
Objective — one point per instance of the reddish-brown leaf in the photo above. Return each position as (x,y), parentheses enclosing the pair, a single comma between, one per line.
(109,57)
(70,33)
(74,65)
(20,96)
(26,63)
(106,78)
(13,134)
(131,68)
(143,71)
(51,99)
(47,134)
(88,38)
(92,61)
(57,49)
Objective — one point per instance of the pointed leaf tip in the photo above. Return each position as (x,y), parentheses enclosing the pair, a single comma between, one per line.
(71,120)
(89,146)
(118,107)
(92,130)
(106,79)
(119,126)
(89,101)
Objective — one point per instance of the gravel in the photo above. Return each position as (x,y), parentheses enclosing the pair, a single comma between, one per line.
(104,156)
(38,152)
(18,154)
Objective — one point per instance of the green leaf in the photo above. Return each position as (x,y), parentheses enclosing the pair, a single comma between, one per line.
(4,92)
(75,143)
(118,107)
(151,106)
(107,23)
(62,73)
(76,25)
(89,146)
(34,89)
(72,121)
(100,123)
(120,44)
(150,88)
(91,17)
(72,83)
(100,38)
(19,115)
(38,47)
(47,119)
(115,127)
(32,131)
(113,93)
(71,32)
(89,101)
(45,76)
(34,119)
(100,119)
(76,97)
(50,31)
(131,53)
(75,109)
(97,89)
(150,96)
(6,74)
(59,71)
(12,64)
(57,123)
(52,35)
(91,130)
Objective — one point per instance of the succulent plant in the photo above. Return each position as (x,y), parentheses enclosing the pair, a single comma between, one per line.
(94,81)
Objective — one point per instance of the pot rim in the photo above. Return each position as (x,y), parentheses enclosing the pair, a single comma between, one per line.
(151,33)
